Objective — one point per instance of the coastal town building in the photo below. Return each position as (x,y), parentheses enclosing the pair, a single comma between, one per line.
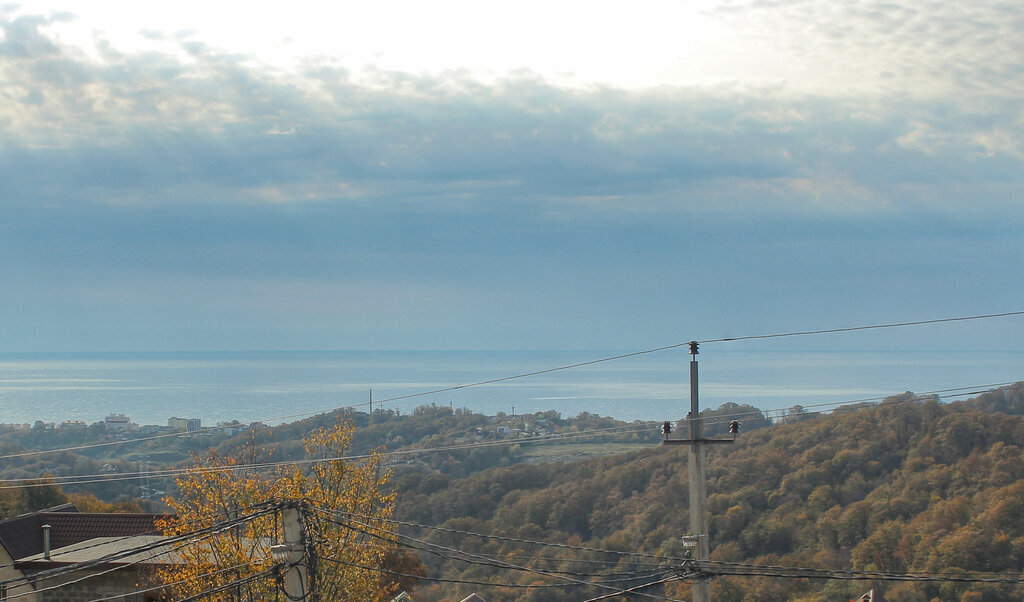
(117,423)
(189,425)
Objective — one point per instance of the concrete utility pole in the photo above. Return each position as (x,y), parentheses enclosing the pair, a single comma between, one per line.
(698,484)
(292,554)
(697,473)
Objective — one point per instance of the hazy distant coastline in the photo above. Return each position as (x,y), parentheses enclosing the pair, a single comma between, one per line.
(276,386)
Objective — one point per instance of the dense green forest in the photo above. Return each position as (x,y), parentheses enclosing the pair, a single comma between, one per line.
(908,485)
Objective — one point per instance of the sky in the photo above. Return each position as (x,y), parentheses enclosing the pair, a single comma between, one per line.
(496,175)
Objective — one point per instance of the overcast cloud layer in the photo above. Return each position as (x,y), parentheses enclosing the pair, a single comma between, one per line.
(194,197)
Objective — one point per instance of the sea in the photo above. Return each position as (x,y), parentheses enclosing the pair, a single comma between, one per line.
(278,387)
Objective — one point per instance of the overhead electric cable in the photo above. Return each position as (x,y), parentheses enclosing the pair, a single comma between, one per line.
(34,592)
(105,478)
(540,439)
(687,343)
(484,559)
(635,589)
(842,575)
(866,574)
(537,440)
(201,519)
(63,449)
(572,366)
(38,452)
(801,333)
(159,544)
(520,540)
(867,401)
(124,595)
(459,581)
(226,586)
(79,566)
(507,565)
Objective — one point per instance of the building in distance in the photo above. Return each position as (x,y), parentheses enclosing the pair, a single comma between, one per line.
(189,425)
(117,423)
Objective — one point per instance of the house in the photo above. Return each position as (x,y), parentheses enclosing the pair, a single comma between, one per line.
(100,568)
(117,423)
(19,537)
(33,543)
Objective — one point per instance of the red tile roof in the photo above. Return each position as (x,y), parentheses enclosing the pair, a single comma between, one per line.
(22,536)
(70,528)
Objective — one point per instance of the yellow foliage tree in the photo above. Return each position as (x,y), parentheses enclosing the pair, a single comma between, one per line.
(345,512)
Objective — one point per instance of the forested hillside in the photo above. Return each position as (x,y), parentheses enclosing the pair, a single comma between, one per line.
(909,485)
(432,439)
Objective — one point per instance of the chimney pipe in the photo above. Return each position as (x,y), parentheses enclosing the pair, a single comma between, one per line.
(46,541)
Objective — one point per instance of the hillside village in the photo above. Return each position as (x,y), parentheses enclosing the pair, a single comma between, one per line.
(121,427)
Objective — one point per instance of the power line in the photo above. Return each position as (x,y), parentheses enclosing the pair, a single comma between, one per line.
(121,476)
(159,547)
(737,569)
(488,560)
(552,439)
(232,584)
(79,566)
(562,368)
(167,473)
(459,581)
(507,565)
(202,431)
(687,343)
(868,401)
(635,589)
(33,592)
(124,595)
(108,443)
(201,519)
(747,570)
(519,540)
(801,333)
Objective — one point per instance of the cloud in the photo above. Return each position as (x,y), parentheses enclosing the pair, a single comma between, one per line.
(218,127)
(200,198)
(909,48)
(21,37)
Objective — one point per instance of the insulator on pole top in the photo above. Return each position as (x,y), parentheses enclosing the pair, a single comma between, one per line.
(693,348)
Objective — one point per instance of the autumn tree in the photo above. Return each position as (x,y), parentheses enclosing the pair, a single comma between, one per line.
(345,511)
(31,496)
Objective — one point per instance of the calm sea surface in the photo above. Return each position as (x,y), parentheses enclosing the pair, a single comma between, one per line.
(286,386)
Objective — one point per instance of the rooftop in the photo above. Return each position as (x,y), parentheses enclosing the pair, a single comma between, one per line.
(22,536)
